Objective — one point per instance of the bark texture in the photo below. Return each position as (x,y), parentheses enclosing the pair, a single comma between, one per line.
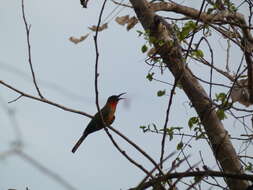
(222,147)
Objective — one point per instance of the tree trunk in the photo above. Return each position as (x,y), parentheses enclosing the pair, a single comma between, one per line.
(172,56)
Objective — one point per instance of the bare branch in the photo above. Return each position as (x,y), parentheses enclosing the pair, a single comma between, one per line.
(44,100)
(195,29)
(137,148)
(174,87)
(121,4)
(194,174)
(145,178)
(172,92)
(127,156)
(98,108)
(222,16)
(171,54)
(27,28)
(20,96)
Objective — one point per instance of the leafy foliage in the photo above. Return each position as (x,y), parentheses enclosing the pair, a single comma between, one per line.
(150,76)
(180,145)
(249,167)
(187,28)
(224,105)
(153,128)
(144,48)
(197,53)
(193,121)
(195,124)
(221,114)
(149,128)
(161,93)
(220,97)
(171,130)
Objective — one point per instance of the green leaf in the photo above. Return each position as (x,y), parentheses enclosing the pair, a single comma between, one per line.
(150,76)
(180,145)
(161,43)
(221,114)
(161,93)
(187,28)
(170,132)
(142,126)
(198,53)
(144,48)
(231,6)
(249,167)
(221,97)
(192,121)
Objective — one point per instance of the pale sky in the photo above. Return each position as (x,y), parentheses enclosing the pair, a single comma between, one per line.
(65,74)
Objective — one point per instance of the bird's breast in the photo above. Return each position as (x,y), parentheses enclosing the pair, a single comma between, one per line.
(110,117)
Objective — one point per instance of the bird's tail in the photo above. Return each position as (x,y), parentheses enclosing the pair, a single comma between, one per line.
(79,142)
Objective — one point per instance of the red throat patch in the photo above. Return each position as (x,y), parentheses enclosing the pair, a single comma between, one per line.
(113,104)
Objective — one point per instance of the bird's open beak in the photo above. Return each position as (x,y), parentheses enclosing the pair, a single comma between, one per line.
(121,95)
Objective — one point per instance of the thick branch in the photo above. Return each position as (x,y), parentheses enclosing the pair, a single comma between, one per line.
(249,61)
(172,56)
(194,174)
(224,17)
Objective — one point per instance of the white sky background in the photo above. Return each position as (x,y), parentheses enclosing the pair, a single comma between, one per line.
(48,132)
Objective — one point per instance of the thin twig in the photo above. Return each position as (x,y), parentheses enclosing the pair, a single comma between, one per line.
(205,62)
(228,55)
(172,92)
(20,96)
(27,28)
(96,92)
(214,84)
(175,84)
(195,174)
(180,178)
(45,100)
(137,148)
(195,29)
(126,155)
(212,64)
(122,4)
(81,113)
(146,177)
(97,58)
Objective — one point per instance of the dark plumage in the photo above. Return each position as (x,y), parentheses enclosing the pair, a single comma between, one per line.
(96,123)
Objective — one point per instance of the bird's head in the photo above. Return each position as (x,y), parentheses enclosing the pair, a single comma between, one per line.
(114,99)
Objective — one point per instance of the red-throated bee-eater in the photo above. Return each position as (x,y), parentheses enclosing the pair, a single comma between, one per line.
(96,123)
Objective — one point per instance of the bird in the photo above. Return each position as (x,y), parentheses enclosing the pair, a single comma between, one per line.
(96,123)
